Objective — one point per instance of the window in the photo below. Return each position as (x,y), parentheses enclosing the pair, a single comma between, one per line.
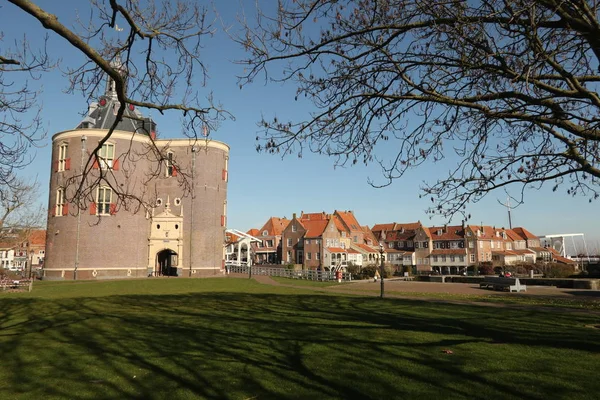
(265,233)
(471,244)
(289,243)
(443,258)
(435,258)
(63,161)
(269,243)
(61,207)
(171,169)
(294,228)
(410,243)
(481,245)
(343,234)
(355,239)
(103,201)
(289,256)
(107,155)
(416,245)
(452,258)
(308,256)
(307,241)
(317,256)
(472,258)
(461,259)
(425,245)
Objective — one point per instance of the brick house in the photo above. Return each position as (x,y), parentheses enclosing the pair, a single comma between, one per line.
(269,251)
(398,241)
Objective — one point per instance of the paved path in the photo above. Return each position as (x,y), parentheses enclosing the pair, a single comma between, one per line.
(419,290)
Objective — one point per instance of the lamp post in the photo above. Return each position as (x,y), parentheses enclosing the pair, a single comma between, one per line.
(381,270)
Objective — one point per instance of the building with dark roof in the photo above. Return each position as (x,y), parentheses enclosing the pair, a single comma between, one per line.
(182,183)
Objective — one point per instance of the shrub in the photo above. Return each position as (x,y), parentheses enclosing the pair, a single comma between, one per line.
(486,269)
(558,271)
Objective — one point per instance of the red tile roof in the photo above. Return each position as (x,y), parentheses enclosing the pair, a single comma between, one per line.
(313,216)
(253,232)
(409,226)
(505,252)
(274,226)
(37,237)
(524,233)
(366,248)
(314,228)
(349,220)
(447,232)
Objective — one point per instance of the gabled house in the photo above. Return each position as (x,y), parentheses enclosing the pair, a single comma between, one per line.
(398,240)
(269,250)
(292,242)
(446,248)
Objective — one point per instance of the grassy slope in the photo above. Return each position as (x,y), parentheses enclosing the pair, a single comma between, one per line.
(237,339)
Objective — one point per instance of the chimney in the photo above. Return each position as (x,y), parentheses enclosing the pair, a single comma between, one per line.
(293,215)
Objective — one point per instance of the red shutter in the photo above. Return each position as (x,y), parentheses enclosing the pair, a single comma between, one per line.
(153,135)
(95,165)
(65,209)
(115,165)
(92,208)
(68,164)
(113,208)
(223,220)
(174,171)
(56,166)
(224,175)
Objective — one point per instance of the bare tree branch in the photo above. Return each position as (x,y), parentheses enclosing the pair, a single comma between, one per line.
(508,88)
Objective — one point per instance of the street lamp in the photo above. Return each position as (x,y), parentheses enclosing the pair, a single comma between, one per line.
(381,270)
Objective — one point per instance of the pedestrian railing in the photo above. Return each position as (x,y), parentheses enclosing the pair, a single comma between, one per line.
(289,273)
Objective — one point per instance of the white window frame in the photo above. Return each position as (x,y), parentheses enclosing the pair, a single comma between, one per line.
(106,160)
(294,228)
(62,156)
(317,256)
(103,207)
(289,242)
(60,202)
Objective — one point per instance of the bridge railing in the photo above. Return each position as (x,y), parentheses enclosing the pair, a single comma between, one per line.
(289,273)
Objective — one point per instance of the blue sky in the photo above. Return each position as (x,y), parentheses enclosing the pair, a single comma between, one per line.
(262,185)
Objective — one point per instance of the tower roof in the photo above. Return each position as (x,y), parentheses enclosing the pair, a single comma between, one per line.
(102,114)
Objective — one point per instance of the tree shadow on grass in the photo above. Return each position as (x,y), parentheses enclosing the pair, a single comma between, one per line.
(233,346)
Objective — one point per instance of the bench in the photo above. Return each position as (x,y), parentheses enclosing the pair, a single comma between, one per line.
(498,283)
(16,284)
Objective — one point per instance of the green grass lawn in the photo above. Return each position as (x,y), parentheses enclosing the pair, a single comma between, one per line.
(238,339)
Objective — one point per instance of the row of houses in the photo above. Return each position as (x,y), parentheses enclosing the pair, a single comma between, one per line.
(22,249)
(337,240)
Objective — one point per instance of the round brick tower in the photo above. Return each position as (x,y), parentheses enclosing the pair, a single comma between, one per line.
(174,223)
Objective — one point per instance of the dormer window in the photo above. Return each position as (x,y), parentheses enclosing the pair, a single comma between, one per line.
(439,232)
(265,233)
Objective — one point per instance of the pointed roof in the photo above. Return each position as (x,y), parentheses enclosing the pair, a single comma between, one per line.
(253,232)
(453,232)
(314,228)
(524,233)
(274,226)
(348,219)
(102,114)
